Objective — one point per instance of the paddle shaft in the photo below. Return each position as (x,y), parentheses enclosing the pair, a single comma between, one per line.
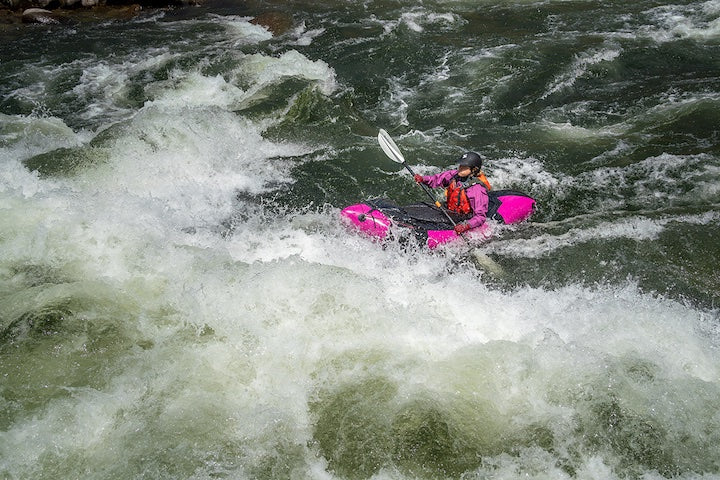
(429,194)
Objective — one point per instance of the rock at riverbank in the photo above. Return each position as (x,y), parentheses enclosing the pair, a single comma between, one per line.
(58,11)
(277,22)
(39,15)
(50,12)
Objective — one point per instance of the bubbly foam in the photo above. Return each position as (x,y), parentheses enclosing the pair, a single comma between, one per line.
(266,70)
(242,31)
(416,19)
(638,229)
(304,37)
(675,22)
(579,67)
(241,353)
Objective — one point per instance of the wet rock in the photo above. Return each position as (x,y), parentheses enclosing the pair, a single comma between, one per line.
(12,4)
(8,17)
(121,13)
(79,13)
(277,22)
(102,13)
(38,15)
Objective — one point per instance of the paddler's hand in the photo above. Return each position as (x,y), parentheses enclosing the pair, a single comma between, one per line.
(461,228)
(419,178)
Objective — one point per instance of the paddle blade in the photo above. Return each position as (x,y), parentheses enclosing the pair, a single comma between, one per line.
(389,147)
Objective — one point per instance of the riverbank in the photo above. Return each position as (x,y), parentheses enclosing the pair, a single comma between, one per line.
(17,13)
(64,15)
(15,6)
(68,11)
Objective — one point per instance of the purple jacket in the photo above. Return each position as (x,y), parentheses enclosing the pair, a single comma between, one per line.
(477,195)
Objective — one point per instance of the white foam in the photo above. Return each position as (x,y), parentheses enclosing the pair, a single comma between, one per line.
(633,228)
(305,37)
(297,306)
(675,22)
(192,161)
(506,172)
(579,68)
(104,85)
(193,88)
(397,100)
(672,104)
(263,71)
(23,137)
(418,19)
(569,131)
(242,32)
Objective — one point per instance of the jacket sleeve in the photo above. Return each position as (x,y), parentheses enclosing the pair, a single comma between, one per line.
(478,198)
(440,180)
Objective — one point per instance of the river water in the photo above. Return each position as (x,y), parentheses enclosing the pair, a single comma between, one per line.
(178,298)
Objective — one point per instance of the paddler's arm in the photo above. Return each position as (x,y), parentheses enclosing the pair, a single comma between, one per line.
(440,180)
(478,198)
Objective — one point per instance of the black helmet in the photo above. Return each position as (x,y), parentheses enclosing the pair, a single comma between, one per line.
(472,160)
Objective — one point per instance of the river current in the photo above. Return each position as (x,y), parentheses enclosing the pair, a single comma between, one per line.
(179,299)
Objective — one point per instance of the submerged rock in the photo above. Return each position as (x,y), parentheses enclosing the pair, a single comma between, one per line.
(65,162)
(277,22)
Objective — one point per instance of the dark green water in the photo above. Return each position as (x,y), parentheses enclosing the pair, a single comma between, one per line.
(178,298)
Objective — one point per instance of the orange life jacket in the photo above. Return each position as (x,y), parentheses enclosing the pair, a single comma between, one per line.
(457,199)
(484,180)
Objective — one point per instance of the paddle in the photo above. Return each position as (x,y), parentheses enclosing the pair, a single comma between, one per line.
(393,152)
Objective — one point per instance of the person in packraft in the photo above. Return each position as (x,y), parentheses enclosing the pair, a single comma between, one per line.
(466,190)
